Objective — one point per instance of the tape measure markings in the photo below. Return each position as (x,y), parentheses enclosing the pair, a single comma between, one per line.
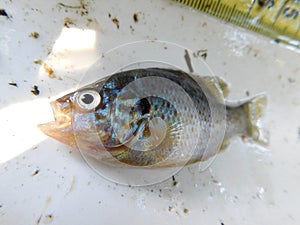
(277,19)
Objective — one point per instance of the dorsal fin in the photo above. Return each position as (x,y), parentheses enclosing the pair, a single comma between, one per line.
(216,86)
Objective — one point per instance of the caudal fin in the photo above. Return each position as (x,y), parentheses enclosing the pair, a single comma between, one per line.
(255,110)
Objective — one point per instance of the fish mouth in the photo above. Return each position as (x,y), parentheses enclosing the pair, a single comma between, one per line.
(61,128)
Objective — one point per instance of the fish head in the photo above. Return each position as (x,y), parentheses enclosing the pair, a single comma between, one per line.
(79,119)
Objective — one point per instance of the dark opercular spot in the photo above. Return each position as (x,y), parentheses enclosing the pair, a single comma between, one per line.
(168,104)
(87,99)
(143,106)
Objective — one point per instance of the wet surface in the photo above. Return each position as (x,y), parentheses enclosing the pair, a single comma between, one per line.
(246,184)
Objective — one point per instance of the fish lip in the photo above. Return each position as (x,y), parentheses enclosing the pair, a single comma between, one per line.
(61,128)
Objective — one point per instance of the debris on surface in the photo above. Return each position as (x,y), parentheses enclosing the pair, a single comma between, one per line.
(13,84)
(291,80)
(171,209)
(188,60)
(38,220)
(48,200)
(35,90)
(3,13)
(135,17)
(81,7)
(38,61)
(49,70)
(35,35)
(116,21)
(175,182)
(48,219)
(35,172)
(68,22)
(71,186)
(185,211)
(203,53)
(131,28)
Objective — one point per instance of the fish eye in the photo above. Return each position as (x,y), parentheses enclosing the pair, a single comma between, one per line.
(88,99)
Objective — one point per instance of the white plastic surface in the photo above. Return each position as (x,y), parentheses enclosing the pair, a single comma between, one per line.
(45,182)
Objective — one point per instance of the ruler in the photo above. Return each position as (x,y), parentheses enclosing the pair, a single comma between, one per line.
(277,19)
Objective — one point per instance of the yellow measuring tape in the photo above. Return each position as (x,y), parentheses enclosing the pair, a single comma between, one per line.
(277,19)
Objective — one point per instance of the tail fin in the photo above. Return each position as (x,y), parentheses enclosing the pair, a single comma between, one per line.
(255,109)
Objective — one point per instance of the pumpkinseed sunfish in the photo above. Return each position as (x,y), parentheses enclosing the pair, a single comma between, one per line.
(153,117)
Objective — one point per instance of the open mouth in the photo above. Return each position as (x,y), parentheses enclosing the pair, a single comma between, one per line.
(61,128)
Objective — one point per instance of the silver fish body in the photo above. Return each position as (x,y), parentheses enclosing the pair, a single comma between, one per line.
(152,117)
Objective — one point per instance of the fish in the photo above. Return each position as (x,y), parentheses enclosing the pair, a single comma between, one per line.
(154,117)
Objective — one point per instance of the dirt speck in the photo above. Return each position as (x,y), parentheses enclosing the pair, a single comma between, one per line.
(48,218)
(131,28)
(35,90)
(71,185)
(171,208)
(135,17)
(291,80)
(36,172)
(13,84)
(175,182)
(35,35)
(116,22)
(186,211)
(49,70)
(38,61)
(188,60)
(68,22)
(203,53)
(3,13)
(38,220)
(244,138)
(81,8)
